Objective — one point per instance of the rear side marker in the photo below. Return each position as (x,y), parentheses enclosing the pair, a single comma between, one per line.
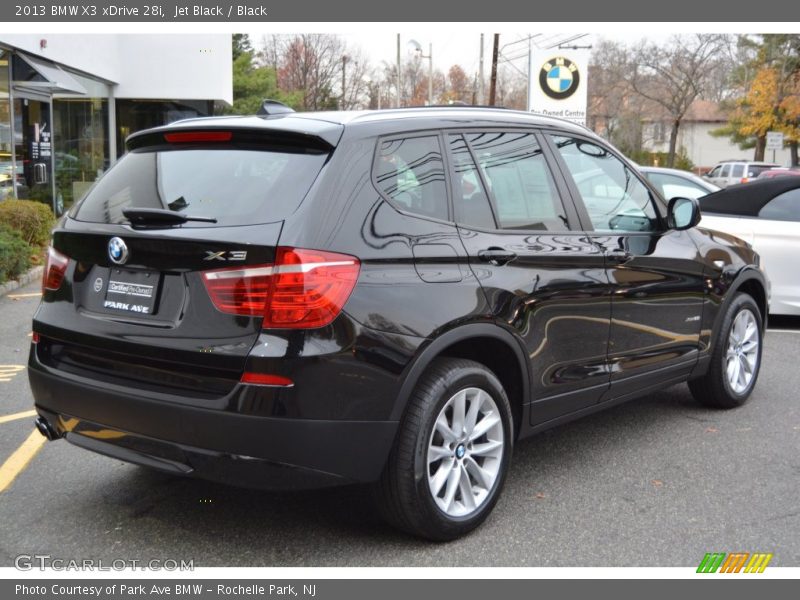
(267,380)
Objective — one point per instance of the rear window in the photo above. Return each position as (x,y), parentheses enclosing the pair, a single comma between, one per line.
(755,171)
(233,186)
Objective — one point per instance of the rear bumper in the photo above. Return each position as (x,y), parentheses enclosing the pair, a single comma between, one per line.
(231,447)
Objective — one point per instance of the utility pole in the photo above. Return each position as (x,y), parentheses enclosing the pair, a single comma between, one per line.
(345,58)
(530,73)
(430,74)
(398,71)
(493,83)
(480,76)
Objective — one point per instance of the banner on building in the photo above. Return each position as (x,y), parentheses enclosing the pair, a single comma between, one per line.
(557,86)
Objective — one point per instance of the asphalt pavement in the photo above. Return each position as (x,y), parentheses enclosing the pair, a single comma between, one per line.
(656,482)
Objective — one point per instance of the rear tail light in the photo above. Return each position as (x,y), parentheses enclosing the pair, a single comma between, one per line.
(744,180)
(54,269)
(304,289)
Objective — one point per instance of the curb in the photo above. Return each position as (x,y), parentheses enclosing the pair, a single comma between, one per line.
(32,275)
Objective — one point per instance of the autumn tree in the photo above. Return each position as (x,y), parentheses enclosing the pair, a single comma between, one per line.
(771,93)
(459,86)
(759,109)
(675,75)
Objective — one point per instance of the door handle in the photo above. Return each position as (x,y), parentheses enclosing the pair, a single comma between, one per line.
(497,256)
(619,255)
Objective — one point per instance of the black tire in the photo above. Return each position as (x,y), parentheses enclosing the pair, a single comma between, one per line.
(714,388)
(404,494)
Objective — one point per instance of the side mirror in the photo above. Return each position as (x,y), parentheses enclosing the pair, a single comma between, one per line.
(683,213)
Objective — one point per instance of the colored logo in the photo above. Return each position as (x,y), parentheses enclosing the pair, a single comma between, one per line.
(117,251)
(559,78)
(736,562)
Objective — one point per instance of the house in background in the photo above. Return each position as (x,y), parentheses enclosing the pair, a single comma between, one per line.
(67,102)
(694,135)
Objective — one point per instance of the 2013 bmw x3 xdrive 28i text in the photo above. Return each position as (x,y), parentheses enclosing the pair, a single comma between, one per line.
(391,297)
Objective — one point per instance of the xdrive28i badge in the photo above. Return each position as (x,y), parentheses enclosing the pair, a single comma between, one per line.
(117,251)
(559,78)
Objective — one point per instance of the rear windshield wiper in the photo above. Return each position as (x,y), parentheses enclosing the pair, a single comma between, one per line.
(160,216)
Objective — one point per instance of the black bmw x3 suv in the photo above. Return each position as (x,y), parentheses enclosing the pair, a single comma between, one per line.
(391,297)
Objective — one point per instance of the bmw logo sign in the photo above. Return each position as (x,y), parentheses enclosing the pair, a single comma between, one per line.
(559,78)
(117,251)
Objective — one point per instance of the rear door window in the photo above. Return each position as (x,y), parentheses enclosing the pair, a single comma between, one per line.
(755,170)
(784,207)
(470,200)
(737,170)
(233,186)
(520,186)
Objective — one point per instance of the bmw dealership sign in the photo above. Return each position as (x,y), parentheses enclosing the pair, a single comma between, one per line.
(558,84)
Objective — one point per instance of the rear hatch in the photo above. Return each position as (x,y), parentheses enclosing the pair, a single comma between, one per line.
(149,258)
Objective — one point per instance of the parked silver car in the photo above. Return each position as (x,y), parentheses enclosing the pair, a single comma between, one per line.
(731,172)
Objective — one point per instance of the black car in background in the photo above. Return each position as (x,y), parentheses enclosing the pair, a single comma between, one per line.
(391,297)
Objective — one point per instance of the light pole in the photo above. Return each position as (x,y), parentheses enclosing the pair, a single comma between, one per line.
(416,47)
(345,58)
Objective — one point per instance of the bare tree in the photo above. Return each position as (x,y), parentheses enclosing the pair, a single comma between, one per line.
(674,76)
(355,83)
(320,68)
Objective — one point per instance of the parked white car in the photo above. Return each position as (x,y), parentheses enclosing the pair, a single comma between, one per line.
(766,214)
(672,183)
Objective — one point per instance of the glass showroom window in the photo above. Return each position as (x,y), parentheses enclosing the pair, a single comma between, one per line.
(6,143)
(80,140)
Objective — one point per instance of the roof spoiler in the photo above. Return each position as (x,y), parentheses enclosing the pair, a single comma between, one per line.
(271,108)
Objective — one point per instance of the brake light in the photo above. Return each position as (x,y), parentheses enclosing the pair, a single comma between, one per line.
(304,289)
(185,137)
(54,269)
(744,180)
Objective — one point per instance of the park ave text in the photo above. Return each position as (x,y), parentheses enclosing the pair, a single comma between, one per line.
(176,589)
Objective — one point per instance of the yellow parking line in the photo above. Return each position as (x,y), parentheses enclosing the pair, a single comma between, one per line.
(17,462)
(15,416)
(31,295)
(8,371)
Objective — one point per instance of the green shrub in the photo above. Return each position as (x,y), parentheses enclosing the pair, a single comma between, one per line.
(15,254)
(32,220)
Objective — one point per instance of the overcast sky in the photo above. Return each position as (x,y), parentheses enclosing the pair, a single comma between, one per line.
(459,43)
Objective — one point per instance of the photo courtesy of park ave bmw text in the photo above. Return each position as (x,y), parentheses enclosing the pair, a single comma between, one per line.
(324,301)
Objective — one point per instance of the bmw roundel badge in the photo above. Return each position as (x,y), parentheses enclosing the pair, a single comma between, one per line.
(559,78)
(117,251)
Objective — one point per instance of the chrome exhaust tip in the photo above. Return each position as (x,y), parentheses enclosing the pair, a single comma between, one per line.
(47,430)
